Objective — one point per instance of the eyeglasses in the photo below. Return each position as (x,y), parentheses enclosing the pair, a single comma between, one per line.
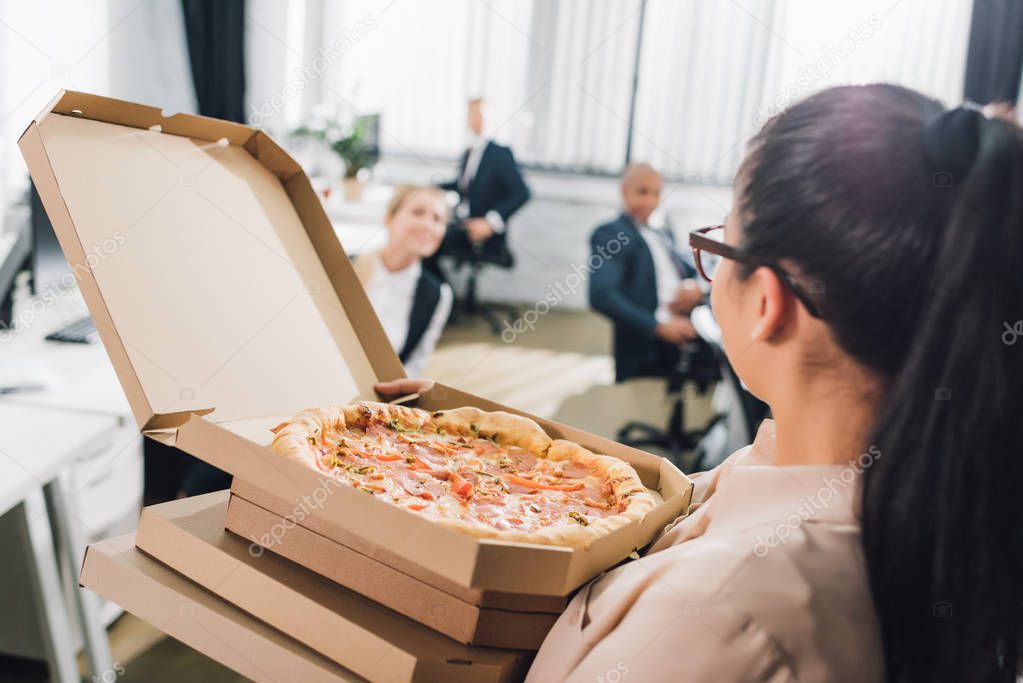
(709,249)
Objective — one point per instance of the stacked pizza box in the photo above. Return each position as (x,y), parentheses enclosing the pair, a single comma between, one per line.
(227,306)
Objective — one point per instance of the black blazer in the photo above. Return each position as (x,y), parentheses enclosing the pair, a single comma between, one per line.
(624,288)
(424,304)
(497,186)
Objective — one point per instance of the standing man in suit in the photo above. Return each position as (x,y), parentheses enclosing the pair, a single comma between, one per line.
(490,190)
(646,287)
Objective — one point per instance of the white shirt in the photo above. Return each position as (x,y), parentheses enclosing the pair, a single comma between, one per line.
(477,146)
(391,293)
(668,280)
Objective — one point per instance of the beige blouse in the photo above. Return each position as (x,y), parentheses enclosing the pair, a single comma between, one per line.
(764,580)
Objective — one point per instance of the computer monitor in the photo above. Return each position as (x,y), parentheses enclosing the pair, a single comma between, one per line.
(15,250)
(52,277)
(371,129)
(49,267)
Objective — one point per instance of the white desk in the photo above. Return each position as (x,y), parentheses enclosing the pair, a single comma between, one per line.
(36,443)
(82,378)
(42,433)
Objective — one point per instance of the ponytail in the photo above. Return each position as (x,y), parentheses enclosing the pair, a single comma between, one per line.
(943,509)
(913,217)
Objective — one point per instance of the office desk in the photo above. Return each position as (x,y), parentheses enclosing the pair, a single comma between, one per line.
(36,443)
(81,412)
(82,378)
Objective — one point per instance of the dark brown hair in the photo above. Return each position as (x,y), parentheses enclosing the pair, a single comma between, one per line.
(910,218)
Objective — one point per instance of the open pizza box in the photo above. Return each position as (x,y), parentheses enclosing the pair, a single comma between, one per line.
(227,305)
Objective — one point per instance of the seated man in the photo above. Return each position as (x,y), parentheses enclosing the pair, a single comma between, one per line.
(642,283)
(490,189)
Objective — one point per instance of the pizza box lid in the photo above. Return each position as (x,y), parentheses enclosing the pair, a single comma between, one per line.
(206,259)
(227,304)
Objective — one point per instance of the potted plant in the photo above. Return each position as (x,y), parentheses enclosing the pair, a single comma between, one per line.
(353,141)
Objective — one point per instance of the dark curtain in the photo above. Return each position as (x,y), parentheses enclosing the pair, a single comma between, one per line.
(216,49)
(215,31)
(995,58)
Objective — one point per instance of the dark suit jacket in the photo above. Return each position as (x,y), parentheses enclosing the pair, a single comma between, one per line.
(624,288)
(497,186)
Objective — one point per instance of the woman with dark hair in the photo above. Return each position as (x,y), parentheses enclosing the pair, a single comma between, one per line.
(864,284)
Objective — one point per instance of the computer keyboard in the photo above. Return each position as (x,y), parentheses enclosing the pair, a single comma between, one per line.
(81,331)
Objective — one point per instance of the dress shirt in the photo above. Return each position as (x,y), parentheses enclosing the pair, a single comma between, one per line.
(764,580)
(667,275)
(476,147)
(391,293)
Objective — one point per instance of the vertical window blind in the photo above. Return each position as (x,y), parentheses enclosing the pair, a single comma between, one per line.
(559,75)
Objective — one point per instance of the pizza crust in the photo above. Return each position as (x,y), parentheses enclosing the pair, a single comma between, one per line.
(296,439)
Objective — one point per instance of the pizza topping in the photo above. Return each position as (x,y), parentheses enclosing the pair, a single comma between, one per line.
(459,486)
(574,470)
(471,477)
(523,461)
(578,518)
(523,481)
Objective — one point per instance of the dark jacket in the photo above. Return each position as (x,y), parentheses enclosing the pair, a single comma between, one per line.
(497,186)
(624,288)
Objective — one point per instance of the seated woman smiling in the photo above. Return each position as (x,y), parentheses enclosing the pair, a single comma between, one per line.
(413,304)
(872,532)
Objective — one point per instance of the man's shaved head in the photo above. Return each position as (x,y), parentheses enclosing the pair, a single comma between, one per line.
(636,171)
(641,190)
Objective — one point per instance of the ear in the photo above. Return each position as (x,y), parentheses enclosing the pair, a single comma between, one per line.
(770,302)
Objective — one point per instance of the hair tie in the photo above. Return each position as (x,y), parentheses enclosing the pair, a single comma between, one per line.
(951,140)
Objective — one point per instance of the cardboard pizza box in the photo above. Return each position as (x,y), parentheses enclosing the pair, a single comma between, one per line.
(227,305)
(369,639)
(156,594)
(457,614)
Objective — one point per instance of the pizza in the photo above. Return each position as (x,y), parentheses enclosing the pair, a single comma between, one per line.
(487,474)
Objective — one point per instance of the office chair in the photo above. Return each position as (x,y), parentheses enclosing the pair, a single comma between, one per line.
(477,259)
(692,366)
